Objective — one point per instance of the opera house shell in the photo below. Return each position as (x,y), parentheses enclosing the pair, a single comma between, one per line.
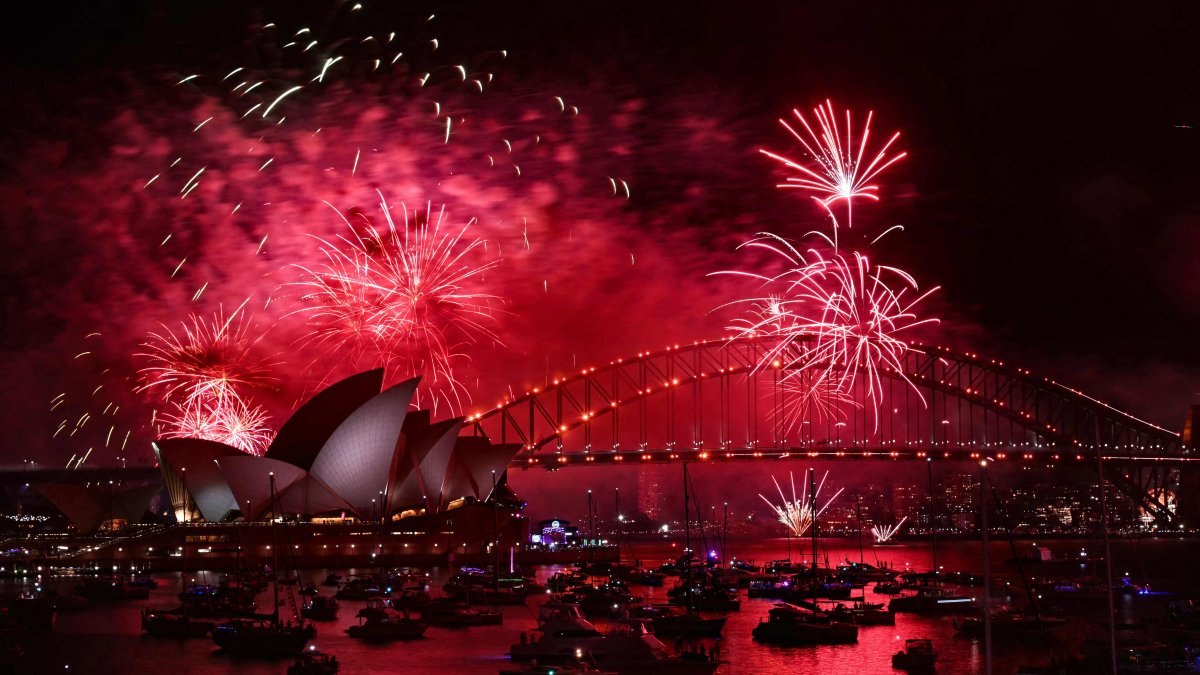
(354,450)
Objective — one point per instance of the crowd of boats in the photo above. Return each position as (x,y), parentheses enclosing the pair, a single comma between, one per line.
(596,618)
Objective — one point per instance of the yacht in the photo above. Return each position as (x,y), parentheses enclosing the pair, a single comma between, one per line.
(628,648)
(262,637)
(174,624)
(385,627)
(918,656)
(788,624)
(320,608)
(1010,622)
(931,600)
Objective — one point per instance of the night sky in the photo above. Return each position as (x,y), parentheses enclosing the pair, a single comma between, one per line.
(1049,188)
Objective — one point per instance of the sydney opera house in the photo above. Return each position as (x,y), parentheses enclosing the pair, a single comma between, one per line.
(356,469)
(352,451)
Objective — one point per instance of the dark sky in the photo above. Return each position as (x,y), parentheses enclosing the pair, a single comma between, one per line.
(1050,187)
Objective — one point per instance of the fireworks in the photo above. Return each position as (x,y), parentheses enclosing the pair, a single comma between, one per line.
(200,373)
(883,533)
(204,360)
(797,513)
(833,318)
(401,297)
(230,420)
(840,169)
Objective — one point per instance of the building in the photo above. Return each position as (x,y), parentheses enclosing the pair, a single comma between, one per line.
(909,501)
(960,500)
(650,497)
(352,451)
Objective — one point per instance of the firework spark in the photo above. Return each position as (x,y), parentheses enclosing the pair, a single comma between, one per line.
(205,359)
(841,169)
(838,316)
(797,513)
(883,533)
(401,297)
(229,420)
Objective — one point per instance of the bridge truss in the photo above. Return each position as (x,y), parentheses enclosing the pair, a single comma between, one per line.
(716,401)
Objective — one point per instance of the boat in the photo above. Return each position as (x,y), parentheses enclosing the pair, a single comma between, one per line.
(918,656)
(313,662)
(110,589)
(452,614)
(265,636)
(789,624)
(262,637)
(361,589)
(860,572)
(864,614)
(582,666)
(887,588)
(645,578)
(34,611)
(931,600)
(320,608)
(671,621)
(386,626)
(1010,622)
(174,624)
(11,651)
(628,648)
(332,580)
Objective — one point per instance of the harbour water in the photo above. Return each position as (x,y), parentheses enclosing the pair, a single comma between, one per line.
(106,638)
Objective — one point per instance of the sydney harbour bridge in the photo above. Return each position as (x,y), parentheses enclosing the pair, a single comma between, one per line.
(716,401)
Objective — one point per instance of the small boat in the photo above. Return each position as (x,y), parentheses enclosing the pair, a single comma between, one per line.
(11,651)
(580,668)
(320,608)
(791,625)
(313,662)
(452,614)
(108,589)
(887,588)
(259,637)
(144,581)
(918,656)
(671,621)
(35,611)
(174,624)
(864,614)
(931,600)
(1010,623)
(385,627)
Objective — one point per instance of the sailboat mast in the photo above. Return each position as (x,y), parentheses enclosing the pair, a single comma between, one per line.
(274,553)
(687,528)
(858,521)
(932,516)
(812,506)
(987,570)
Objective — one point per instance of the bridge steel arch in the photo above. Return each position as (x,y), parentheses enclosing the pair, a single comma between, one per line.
(713,401)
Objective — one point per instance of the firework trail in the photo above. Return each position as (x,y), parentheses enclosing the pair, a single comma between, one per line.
(884,533)
(402,297)
(840,167)
(797,513)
